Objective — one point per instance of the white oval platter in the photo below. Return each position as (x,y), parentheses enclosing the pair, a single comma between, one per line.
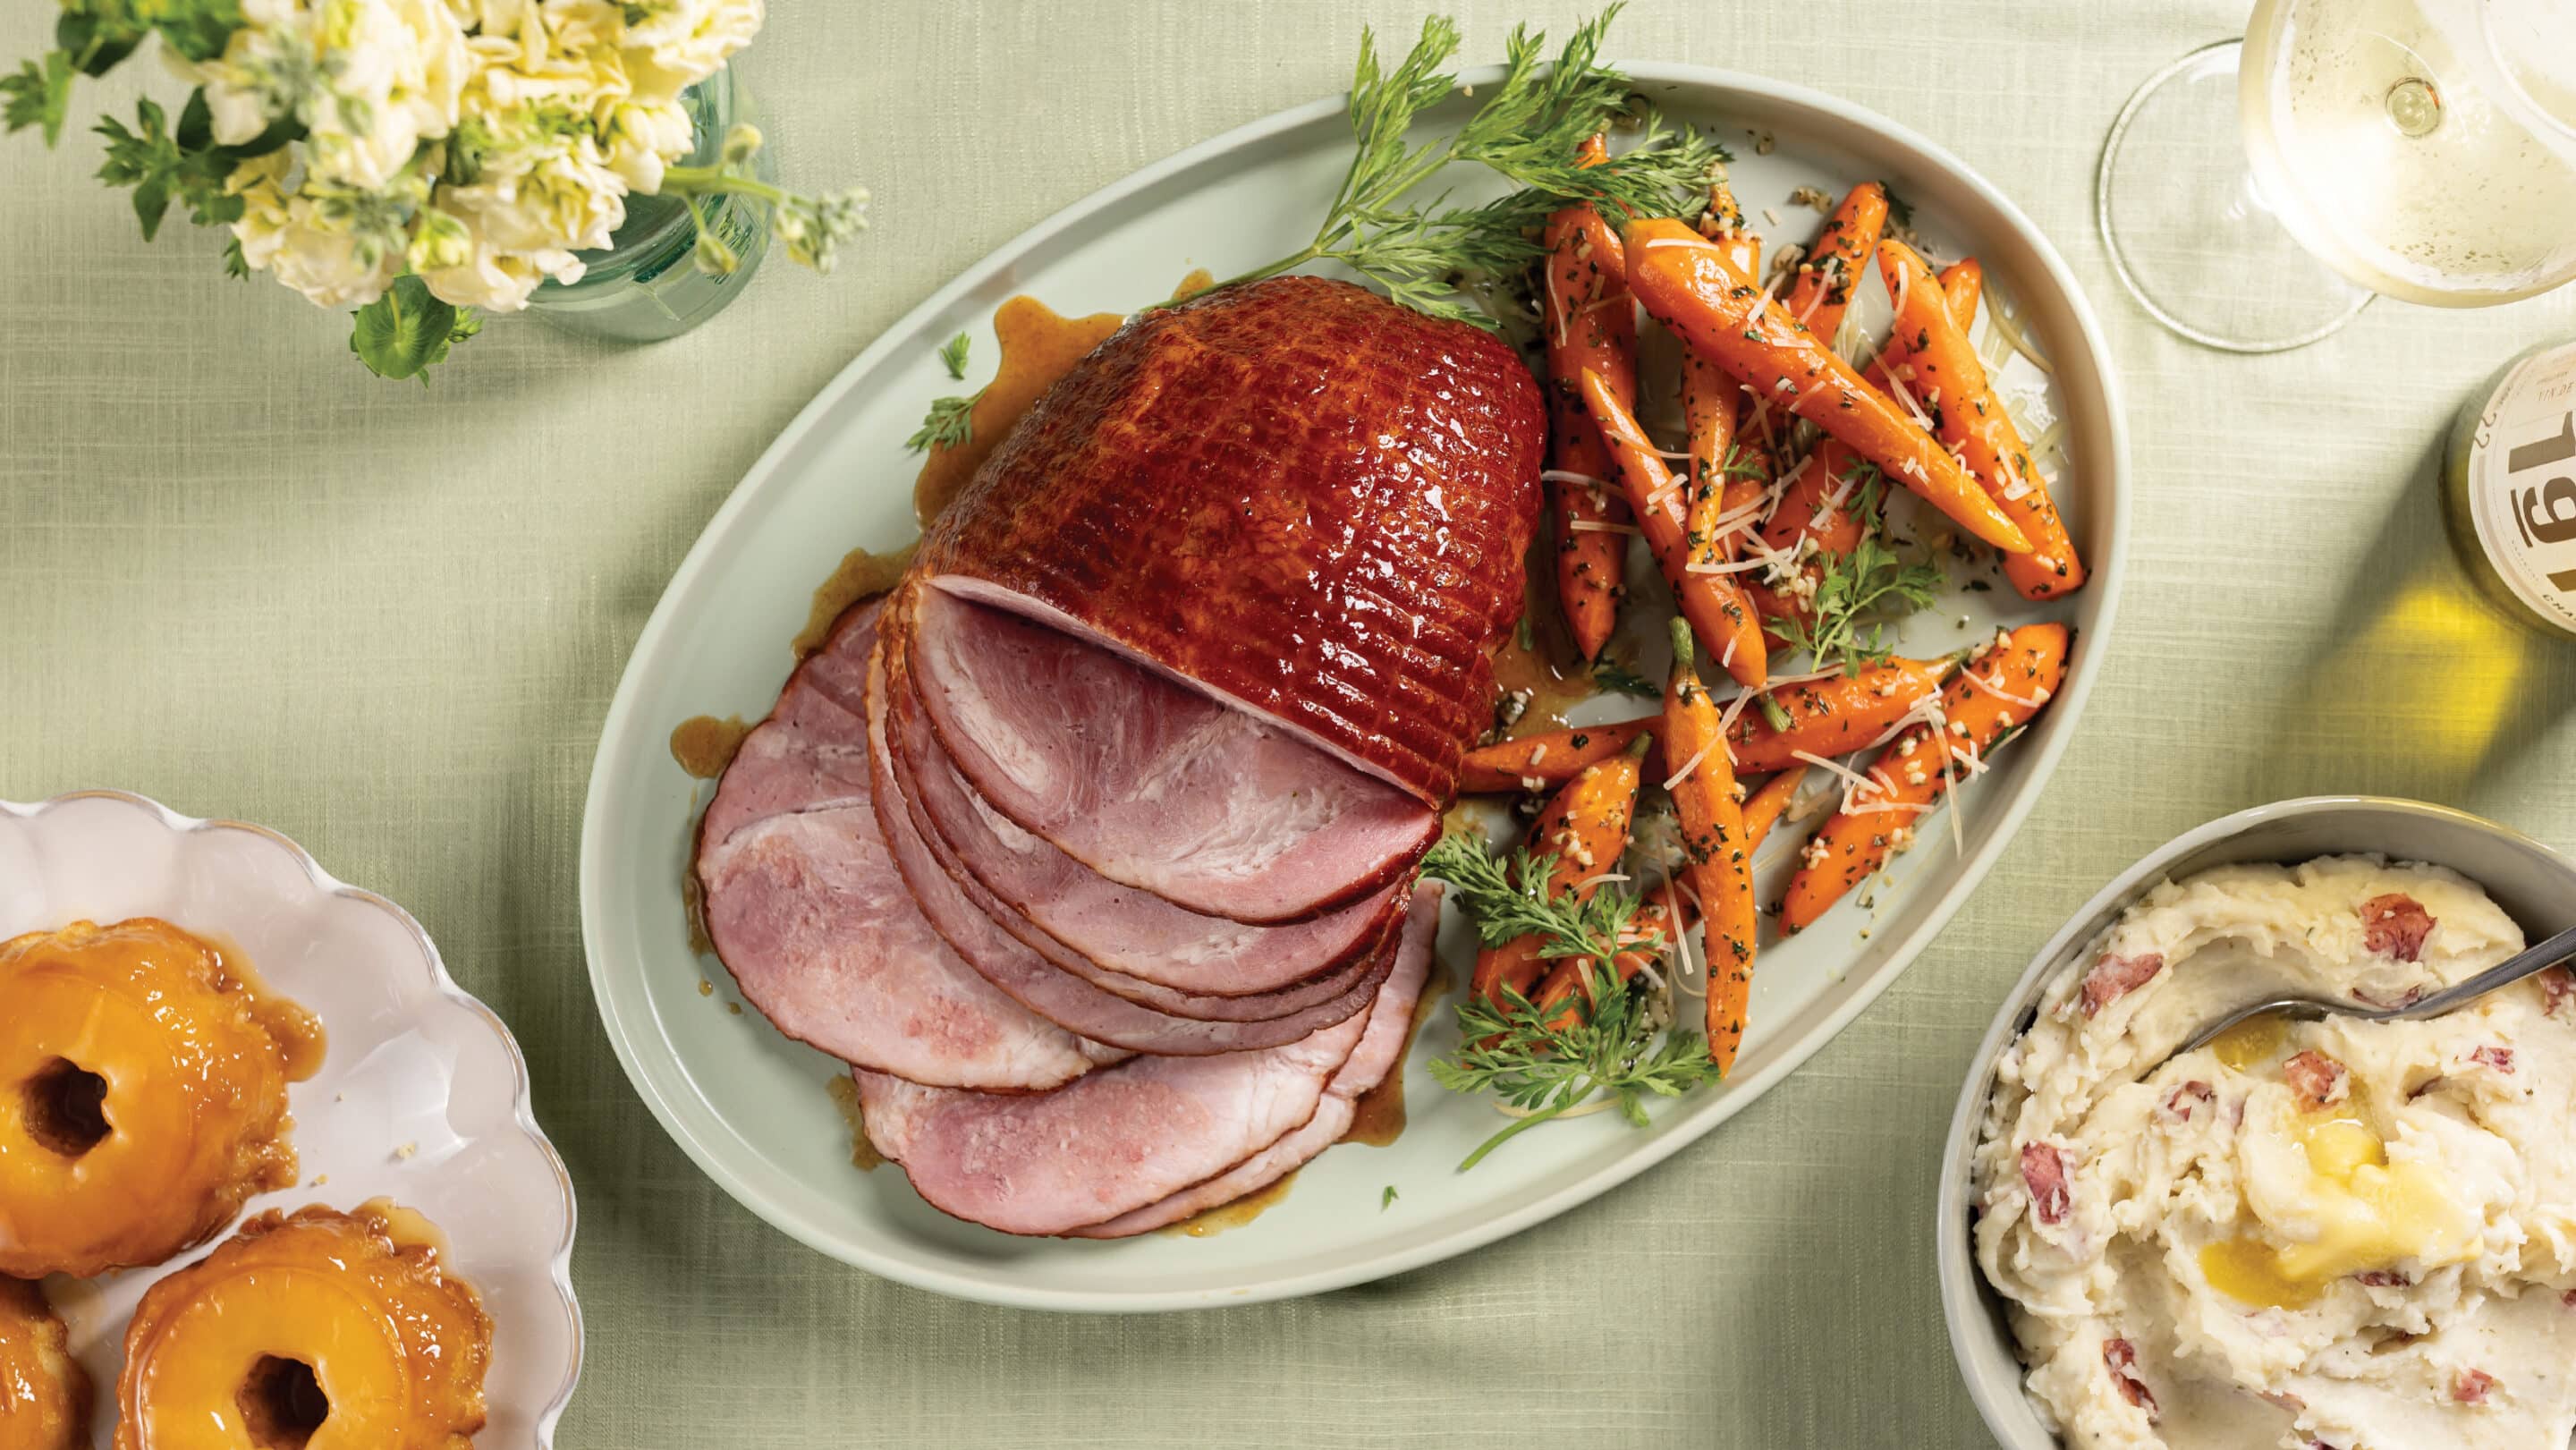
(751,1107)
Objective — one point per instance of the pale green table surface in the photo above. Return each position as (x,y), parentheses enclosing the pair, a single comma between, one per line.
(240,575)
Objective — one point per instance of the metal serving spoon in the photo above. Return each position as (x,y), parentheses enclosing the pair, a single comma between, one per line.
(2556,951)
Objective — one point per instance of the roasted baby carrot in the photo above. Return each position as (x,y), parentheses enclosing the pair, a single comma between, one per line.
(1929,352)
(1550,757)
(1763,808)
(1657,920)
(1815,508)
(1826,717)
(1713,408)
(1687,285)
(1828,278)
(1723,223)
(1590,323)
(1709,599)
(1963,283)
(1717,860)
(1585,827)
(1834,716)
(1993,694)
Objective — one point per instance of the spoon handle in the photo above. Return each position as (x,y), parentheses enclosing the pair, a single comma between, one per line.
(2529,962)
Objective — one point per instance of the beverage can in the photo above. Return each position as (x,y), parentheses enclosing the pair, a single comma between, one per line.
(2510,493)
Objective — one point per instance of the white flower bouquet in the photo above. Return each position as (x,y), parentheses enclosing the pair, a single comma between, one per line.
(421,159)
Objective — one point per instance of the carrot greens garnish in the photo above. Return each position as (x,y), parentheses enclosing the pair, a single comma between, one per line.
(1618,678)
(1541,1064)
(1529,126)
(949,422)
(1858,592)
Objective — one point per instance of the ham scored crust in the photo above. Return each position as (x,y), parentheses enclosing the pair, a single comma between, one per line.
(1296,495)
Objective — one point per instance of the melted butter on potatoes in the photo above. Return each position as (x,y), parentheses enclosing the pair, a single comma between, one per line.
(2339,1233)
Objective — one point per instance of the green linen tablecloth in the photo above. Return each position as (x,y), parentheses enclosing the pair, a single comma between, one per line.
(240,575)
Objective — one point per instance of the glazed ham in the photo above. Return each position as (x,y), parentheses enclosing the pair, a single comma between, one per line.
(1093,848)
(1119,928)
(1295,496)
(1381,1049)
(1059,996)
(1127,1138)
(805,908)
(1332,988)
(1145,782)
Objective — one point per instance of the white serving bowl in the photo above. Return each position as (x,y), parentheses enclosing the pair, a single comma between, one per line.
(2536,885)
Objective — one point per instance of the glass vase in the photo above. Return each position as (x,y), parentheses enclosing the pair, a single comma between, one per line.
(645,285)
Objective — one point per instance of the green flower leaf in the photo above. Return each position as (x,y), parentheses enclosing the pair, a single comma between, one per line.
(151,200)
(407,331)
(162,167)
(40,94)
(98,34)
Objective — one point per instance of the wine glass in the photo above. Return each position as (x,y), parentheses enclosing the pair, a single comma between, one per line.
(2256,194)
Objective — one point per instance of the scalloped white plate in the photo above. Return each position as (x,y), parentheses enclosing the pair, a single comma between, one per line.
(749,1105)
(422,1095)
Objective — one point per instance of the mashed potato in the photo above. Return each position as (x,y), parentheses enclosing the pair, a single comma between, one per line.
(2341,1234)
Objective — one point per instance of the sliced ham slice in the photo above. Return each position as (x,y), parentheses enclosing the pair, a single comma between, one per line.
(1053,901)
(1144,781)
(1105,1144)
(909,741)
(807,911)
(1380,1051)
(1040,986)
(1305,499)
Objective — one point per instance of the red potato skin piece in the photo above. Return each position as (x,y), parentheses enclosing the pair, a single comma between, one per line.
(2121,1359)
(2395,925)
(2187,1097)
(2316,1079)
(2115,977)
(2043,1172)
(1294,493)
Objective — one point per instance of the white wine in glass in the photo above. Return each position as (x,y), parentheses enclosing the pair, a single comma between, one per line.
(2255,194)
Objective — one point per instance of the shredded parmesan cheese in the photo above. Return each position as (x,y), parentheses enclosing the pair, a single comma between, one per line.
(1853,779)
(2027,702)
(1688,766)
(2046,443)
(2013,334)
(1741,566)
